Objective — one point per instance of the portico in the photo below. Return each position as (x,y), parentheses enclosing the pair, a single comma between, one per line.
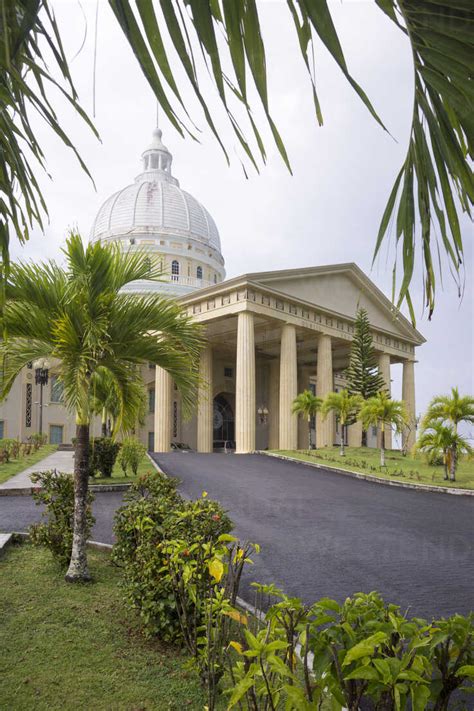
(266,343)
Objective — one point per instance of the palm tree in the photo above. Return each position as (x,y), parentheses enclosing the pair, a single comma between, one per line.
(451,409)
(381,411)
(345,407)
(307,405)
(438,439)
(433,173)
(80,318)
(105,402)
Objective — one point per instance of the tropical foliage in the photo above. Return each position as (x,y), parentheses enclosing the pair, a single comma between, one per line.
(381,411)
(105,402)
(438,440)
(81,318)
(439,428)
(307,405)
(435,181)
(345,407)
(28,83)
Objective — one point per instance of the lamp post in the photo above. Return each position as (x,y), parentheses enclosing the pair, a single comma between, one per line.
(41,367)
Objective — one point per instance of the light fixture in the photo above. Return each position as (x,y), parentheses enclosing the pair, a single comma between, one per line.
(263,414)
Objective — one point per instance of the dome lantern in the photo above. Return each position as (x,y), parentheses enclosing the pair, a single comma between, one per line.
(157,158)
(155,214)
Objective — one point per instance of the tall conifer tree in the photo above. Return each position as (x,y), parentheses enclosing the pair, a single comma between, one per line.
(363,377)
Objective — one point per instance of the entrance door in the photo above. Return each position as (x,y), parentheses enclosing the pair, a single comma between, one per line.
(223,421)
(56,434)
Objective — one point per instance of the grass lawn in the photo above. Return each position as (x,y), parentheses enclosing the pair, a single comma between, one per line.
(15,466)
(117,477)
(399,468)
(68,646)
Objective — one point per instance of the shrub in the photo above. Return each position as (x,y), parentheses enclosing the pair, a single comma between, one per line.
(131,455)
(10,448)
(153,514)
(365,654)
(56,493)
(103,452)
(37,440)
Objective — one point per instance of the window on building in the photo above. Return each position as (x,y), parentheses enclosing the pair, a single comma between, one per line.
(2,429)
(151,441)
(175,270)
(228,372)
(215,278)
(56,434)
(199,272)
(374,430)
(151,401)
(28,404)
(57,389)
(175,419)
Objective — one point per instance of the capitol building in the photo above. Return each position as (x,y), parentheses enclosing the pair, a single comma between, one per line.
(270,335)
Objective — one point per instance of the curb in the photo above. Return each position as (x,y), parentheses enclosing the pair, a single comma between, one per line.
(369,477)
(96,488)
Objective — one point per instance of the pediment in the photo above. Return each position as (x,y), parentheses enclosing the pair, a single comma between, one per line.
(341,289)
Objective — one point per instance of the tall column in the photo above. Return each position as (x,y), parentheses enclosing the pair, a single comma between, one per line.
(384,370)
(163,387)
(245,400)
(325,385)
(274,405)
(288,388)
(205,402)
(408,397)
(354,434)
(303,384)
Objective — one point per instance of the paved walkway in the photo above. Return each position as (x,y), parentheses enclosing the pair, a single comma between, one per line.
(326,534)
(62,461)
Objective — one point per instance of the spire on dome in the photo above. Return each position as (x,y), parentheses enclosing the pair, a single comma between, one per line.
(157,158)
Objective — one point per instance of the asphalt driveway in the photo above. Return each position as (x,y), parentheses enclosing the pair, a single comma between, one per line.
(322,533)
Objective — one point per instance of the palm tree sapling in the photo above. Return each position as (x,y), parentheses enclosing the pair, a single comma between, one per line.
(307,404)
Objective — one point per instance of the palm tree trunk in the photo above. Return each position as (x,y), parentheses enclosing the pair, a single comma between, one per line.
(104,422)
(343,454)
(453,464)
(382,447)
(78,570)
(309,434)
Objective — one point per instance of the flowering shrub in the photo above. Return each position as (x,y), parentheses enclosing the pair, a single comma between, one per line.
(154,512)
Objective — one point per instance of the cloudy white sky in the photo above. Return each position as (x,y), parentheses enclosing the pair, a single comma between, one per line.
(327,212)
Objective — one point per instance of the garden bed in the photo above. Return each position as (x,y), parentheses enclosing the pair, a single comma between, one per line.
(15,466)
(407,470)
(145,467)
(73,647)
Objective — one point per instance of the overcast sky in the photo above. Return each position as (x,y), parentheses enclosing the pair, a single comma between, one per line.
(327,212)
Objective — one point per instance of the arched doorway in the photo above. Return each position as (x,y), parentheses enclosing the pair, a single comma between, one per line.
(223,420)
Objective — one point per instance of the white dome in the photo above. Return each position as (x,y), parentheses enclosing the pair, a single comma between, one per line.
(156,214)
(156,206)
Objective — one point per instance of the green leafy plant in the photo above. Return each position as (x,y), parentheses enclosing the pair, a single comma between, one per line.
(154,512)
(103,452)
(205,577)
(361,654)
(55,491)
(131,454)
